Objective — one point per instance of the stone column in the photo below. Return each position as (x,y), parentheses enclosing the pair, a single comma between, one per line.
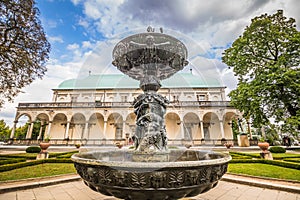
(49,128)
(12,134)
(222,129)
(67,130)
(123,129)
(41,129)
(231,131)
(182,130)
(201,129)
(104,129)
(29,130)
(85,133)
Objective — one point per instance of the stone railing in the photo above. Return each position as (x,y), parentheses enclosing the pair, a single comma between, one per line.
(119,104)
(112,142)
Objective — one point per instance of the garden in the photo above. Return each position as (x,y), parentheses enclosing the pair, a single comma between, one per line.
(24,165)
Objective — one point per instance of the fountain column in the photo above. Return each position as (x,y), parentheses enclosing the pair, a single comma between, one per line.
(149,58)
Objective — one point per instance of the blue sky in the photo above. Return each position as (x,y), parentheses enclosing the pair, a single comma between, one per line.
(82,34)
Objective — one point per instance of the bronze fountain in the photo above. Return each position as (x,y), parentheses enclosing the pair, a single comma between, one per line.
(150,170)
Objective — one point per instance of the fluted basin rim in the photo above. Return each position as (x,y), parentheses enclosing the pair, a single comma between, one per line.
(79,158)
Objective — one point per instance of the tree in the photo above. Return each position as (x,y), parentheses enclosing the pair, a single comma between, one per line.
(24,48)
(4,130)
(265,59)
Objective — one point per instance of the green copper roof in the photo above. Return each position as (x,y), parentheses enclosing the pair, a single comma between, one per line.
(119,81)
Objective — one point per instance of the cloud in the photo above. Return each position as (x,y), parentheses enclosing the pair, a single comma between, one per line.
(54,39)
(206,27)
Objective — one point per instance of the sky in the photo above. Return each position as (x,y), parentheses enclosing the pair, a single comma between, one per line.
(82,34)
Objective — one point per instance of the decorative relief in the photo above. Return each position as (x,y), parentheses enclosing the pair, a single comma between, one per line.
(163,178)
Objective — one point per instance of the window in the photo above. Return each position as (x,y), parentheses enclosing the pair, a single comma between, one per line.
(73,99)
(124,98)
(201,97)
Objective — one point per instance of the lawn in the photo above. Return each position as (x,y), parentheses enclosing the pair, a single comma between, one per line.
(264,170)
(41,170)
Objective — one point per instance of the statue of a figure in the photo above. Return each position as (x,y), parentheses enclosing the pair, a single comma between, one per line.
(150,132)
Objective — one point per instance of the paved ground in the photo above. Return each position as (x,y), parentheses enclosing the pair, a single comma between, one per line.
(77,190)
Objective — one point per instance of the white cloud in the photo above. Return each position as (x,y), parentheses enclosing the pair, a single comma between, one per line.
(206,27)
(53,39)
(73,46)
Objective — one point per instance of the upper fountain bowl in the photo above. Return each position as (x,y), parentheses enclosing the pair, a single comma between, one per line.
(150,54)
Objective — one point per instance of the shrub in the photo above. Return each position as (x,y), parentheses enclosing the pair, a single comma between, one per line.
(11,160)
(8,167)
(33,149)
(277,149)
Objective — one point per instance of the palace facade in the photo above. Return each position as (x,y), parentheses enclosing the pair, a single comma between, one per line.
(98,110)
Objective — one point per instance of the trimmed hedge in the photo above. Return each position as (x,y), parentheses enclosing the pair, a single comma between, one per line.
(277,149)
(9,161)
(9,167)
(245,154)
(270,162)
(296,160)
(27,156)
(33,149)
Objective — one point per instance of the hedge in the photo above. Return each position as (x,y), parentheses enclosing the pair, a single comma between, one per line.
(9,167)
(33,149)
(31,156)
(277,149)
(270,162)
(9,161)
(296,160)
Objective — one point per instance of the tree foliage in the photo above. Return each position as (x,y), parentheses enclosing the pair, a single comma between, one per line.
(265,59)
(24,48)
(4,130)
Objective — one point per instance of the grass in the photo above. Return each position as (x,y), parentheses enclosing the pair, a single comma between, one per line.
(264,170)
(254,169)
(41,170)
(275,155)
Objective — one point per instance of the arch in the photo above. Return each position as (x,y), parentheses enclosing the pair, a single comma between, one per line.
(173,125)
(114,126)
(191,124)
(211,126)
(95,129)
(40,124)
(23,122)
(22,115)
(42,117)
(227,119)
(58,127)
(130,124)
(77,126)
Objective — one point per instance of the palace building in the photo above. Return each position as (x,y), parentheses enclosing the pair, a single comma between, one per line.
(97,110)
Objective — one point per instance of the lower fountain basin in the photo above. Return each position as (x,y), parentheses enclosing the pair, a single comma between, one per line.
(180,173)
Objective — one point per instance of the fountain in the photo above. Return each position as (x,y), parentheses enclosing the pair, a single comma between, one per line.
(150,170)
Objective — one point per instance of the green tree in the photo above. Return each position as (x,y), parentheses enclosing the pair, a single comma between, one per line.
(4,130)
(20,132)
(265,59)
(24,48)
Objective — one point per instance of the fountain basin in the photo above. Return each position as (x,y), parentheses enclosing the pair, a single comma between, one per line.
(181,173)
